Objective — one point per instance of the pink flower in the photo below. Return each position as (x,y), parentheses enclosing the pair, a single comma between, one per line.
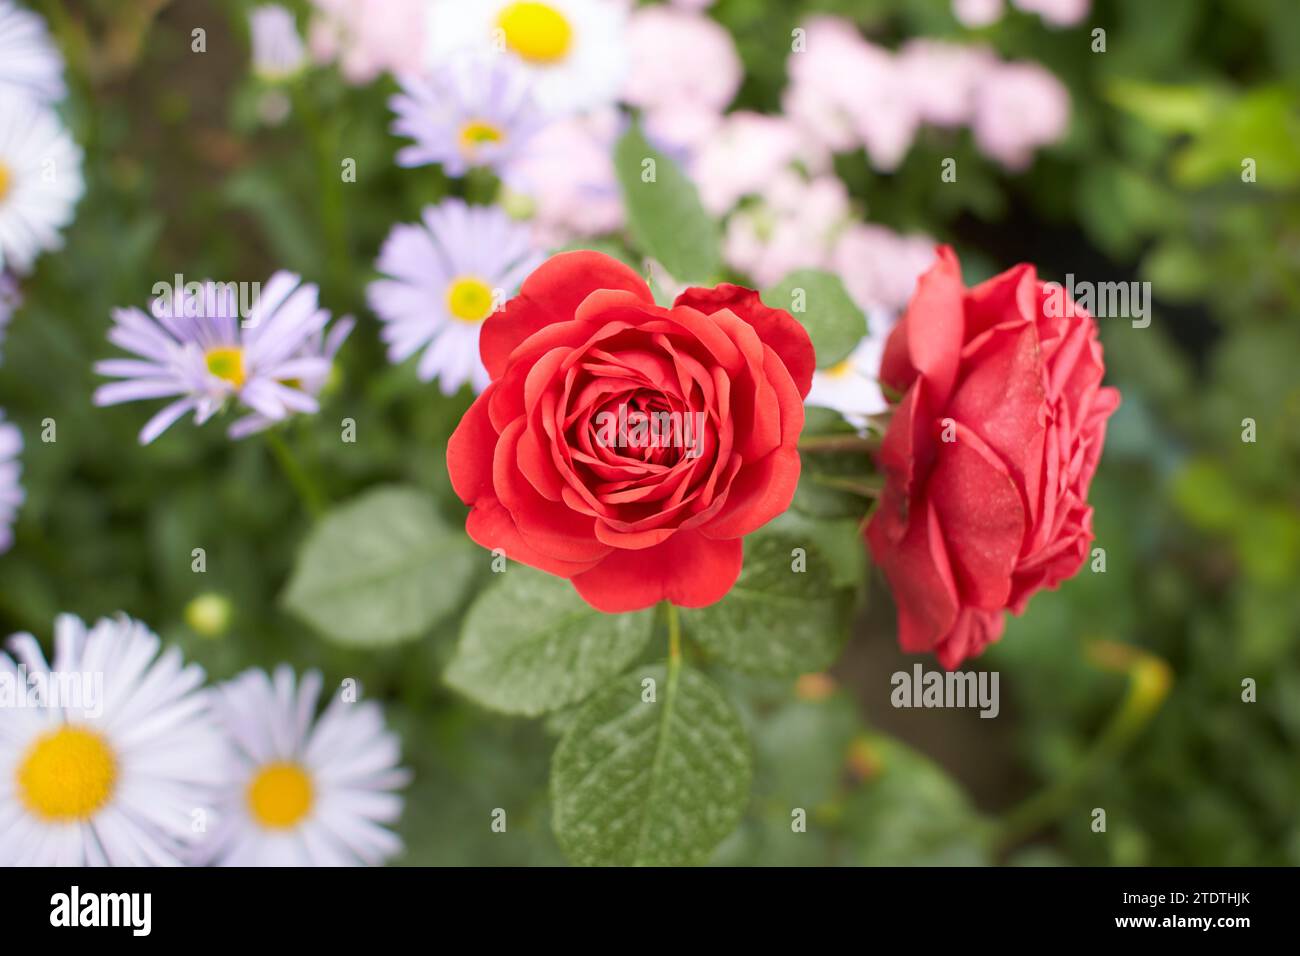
(942,78)
(977,13)
(1018,108)
(369,37)
(746,152)
(1059,13)
(568,171)
(682,129)
(849,93)
(879,267)
(680,59)
(793,228)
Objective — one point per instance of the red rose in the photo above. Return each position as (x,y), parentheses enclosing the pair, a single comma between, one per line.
(629,447)
(988,456)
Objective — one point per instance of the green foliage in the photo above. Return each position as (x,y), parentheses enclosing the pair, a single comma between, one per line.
(381,569)
(1200,529)
(664,212)
(530,645)
(650,774)
(908,812)
(788,613)
(818,300)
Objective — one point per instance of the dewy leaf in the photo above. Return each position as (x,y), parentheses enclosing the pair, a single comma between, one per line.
(818,300)
(664,212)
(777,620)
(531,645)
(380,569)
(654,771)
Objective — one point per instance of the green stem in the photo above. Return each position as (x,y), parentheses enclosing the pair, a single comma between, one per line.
(1149,679)
(330,176)
(866,445)
(309,493)
(866,487)
(674,639)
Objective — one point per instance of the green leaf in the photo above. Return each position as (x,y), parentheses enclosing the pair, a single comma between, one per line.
(778,620)
(381,569)
(839,539)
(815,498)
(1169,108)
(659,783)
(1261,126)
(909,812)
(818,300)
(800,747)
(665,216)
(531,645)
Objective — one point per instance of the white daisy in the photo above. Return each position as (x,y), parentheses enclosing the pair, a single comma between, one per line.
(196,350)
(852,387)
(29,61)
(445,276)
(575,49)
(11,490)
(114,761)
(301,791)
(40,179)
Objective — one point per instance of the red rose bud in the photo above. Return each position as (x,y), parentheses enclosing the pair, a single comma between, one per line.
(629,447)
(988,455)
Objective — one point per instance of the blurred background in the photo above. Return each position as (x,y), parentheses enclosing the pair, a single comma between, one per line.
(1122,691)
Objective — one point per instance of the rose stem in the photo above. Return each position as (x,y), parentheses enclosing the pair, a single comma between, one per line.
(865,488)
(867,445)
(674,637)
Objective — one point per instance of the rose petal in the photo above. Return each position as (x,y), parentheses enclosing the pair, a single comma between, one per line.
(919,575)
(928,340)
(982,515)
(974,631)
(777,328)
(549,527)
(469,452)
(552,294)
(490,525)
(688,570)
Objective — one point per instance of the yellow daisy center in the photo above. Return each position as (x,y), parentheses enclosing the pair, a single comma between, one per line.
(536,31)
(476,134)
(227,362)
(6,181)
(68,774)
(280,795)
(839,369)
(469,299)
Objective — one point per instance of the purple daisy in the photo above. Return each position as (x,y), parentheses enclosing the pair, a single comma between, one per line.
(205,347)
(325,344)
(446,275)
(470,112)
